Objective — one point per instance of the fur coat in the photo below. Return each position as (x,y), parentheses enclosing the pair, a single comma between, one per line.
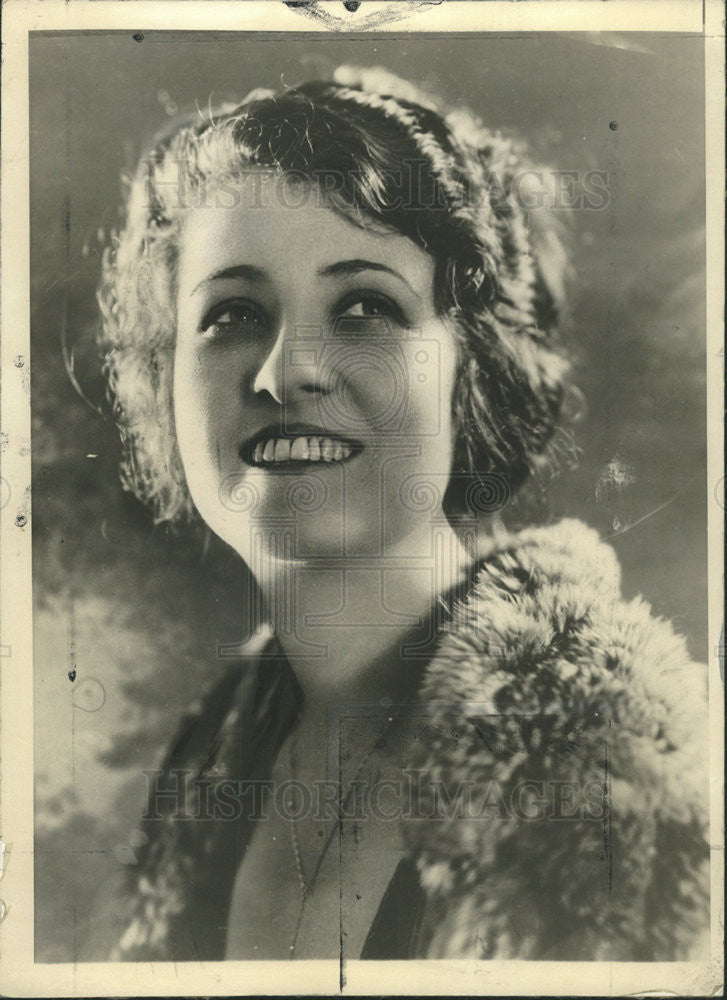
(561,806)
(594,706)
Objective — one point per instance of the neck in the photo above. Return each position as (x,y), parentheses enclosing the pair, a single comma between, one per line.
(342,622)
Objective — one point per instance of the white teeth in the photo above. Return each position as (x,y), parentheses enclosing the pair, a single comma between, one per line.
(301,449)
(282,450)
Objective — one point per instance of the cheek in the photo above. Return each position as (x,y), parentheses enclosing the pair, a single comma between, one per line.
(401,388)
(188,410)
(204,408)
(189,397)
(433,367)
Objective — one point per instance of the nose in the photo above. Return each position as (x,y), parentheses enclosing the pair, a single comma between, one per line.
(292,366)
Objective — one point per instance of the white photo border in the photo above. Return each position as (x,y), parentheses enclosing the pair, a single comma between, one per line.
(21,976)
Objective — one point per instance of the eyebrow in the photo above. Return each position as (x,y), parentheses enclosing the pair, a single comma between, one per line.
(247,271)
(346,267)
(339,269)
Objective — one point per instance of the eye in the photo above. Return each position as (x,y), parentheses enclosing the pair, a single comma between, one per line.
(233,317)
(370,306)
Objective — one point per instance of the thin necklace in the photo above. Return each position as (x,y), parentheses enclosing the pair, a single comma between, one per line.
(307,885)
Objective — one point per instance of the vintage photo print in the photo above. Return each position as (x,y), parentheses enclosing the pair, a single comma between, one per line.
(362,498)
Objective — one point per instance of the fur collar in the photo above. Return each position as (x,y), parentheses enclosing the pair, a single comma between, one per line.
(564,758)
(574,726)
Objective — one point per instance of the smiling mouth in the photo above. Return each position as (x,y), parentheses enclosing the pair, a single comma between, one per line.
(270,451)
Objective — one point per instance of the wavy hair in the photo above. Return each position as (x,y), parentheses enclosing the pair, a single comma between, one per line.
(376,146)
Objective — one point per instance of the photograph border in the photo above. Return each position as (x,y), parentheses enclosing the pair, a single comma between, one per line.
(20,975)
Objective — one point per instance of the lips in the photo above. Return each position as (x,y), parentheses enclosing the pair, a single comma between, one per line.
(298,444)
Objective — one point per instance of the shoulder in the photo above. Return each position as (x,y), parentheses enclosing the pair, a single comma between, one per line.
(547,603)
(574,722)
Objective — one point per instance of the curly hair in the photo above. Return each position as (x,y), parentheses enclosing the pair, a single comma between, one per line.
(378,147)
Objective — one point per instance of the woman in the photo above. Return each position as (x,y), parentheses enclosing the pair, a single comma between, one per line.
(332,336)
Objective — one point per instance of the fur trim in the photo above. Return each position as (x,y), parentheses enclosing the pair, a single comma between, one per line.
(565,764)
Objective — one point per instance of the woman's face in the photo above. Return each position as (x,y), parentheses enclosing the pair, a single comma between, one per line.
(312,379)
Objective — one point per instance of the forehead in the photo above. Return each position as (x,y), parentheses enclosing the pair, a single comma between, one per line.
(279,223)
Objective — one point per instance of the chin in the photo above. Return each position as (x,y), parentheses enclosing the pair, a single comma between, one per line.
(264,537)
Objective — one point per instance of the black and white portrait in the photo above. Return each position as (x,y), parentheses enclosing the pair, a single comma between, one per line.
(369,505)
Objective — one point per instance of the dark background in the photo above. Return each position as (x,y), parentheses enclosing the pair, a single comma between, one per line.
(137,612)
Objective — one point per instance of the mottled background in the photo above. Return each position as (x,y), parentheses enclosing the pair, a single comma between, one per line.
(137,613)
